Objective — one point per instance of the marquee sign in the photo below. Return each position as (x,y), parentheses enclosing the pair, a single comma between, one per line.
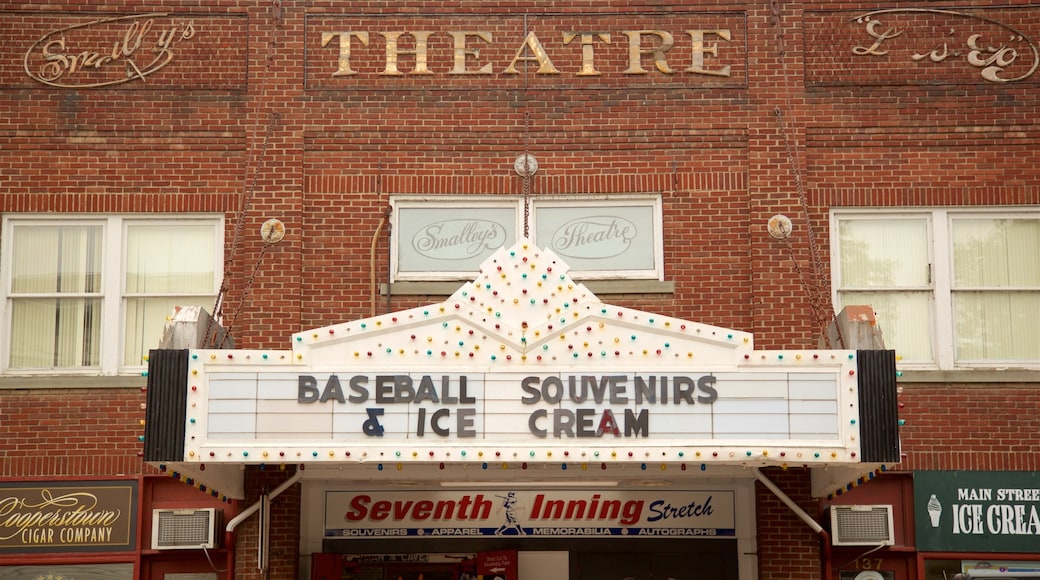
(530,513)
(522,364)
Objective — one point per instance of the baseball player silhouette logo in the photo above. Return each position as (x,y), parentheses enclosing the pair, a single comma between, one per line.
(512,523)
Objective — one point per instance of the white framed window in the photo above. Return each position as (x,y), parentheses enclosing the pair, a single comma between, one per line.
(954,288)
(90,294)
(605,238)
(601,237)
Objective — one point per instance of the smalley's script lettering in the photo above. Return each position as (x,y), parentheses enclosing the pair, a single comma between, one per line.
(57,58)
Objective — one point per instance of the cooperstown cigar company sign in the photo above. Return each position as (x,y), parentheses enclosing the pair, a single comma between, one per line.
(50,516)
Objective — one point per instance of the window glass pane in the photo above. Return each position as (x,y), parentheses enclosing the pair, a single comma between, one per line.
(604,237)
(1003,253)
(56,259)
(997,326)
(170,259)
(905,319)
(55,333)
(438,238)
(884,253)
(145,320)
(62,303)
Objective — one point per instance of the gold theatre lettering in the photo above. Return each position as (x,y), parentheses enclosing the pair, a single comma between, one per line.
(647,51)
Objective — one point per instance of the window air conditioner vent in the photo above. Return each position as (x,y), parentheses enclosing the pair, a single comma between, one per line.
(862,525)
(184,529)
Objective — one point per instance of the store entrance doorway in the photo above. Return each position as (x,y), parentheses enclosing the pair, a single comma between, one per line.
(421,572)
(646,566)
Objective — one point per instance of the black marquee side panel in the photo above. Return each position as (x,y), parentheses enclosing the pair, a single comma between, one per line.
(879,408)
(166,405)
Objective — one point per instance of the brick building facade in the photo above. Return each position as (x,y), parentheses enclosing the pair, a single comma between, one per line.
(886,134)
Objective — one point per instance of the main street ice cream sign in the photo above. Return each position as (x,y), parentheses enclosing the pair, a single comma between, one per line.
(977,511)
(521,364)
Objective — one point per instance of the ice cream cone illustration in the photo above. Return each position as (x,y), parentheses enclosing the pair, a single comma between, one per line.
(934,510)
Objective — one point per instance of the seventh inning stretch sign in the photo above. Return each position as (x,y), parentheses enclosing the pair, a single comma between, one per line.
(542,513)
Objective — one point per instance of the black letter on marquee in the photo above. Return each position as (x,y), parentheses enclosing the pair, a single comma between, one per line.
(308,390)
(372,428)
(539,414)
(533,396)
(333,390)
(707,384)
(435,422)
(637,426)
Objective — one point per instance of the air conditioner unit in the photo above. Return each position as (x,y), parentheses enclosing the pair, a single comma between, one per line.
(174,529)
(862,525)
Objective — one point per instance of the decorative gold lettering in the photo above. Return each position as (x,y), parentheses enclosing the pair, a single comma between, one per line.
(60,62)
(461,52)
(344,49)
(1000,58)
(56,63)
(588,67)
(393,50)
(636,51)
(697,59)
(937,54)
(642,44)
(545,66)
(134,33)
(993,60)
(35,522)
(879,38)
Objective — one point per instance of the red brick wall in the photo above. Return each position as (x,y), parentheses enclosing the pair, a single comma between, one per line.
(970,426)
(248,111)
(787,547)
(285,526)
(71,432)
